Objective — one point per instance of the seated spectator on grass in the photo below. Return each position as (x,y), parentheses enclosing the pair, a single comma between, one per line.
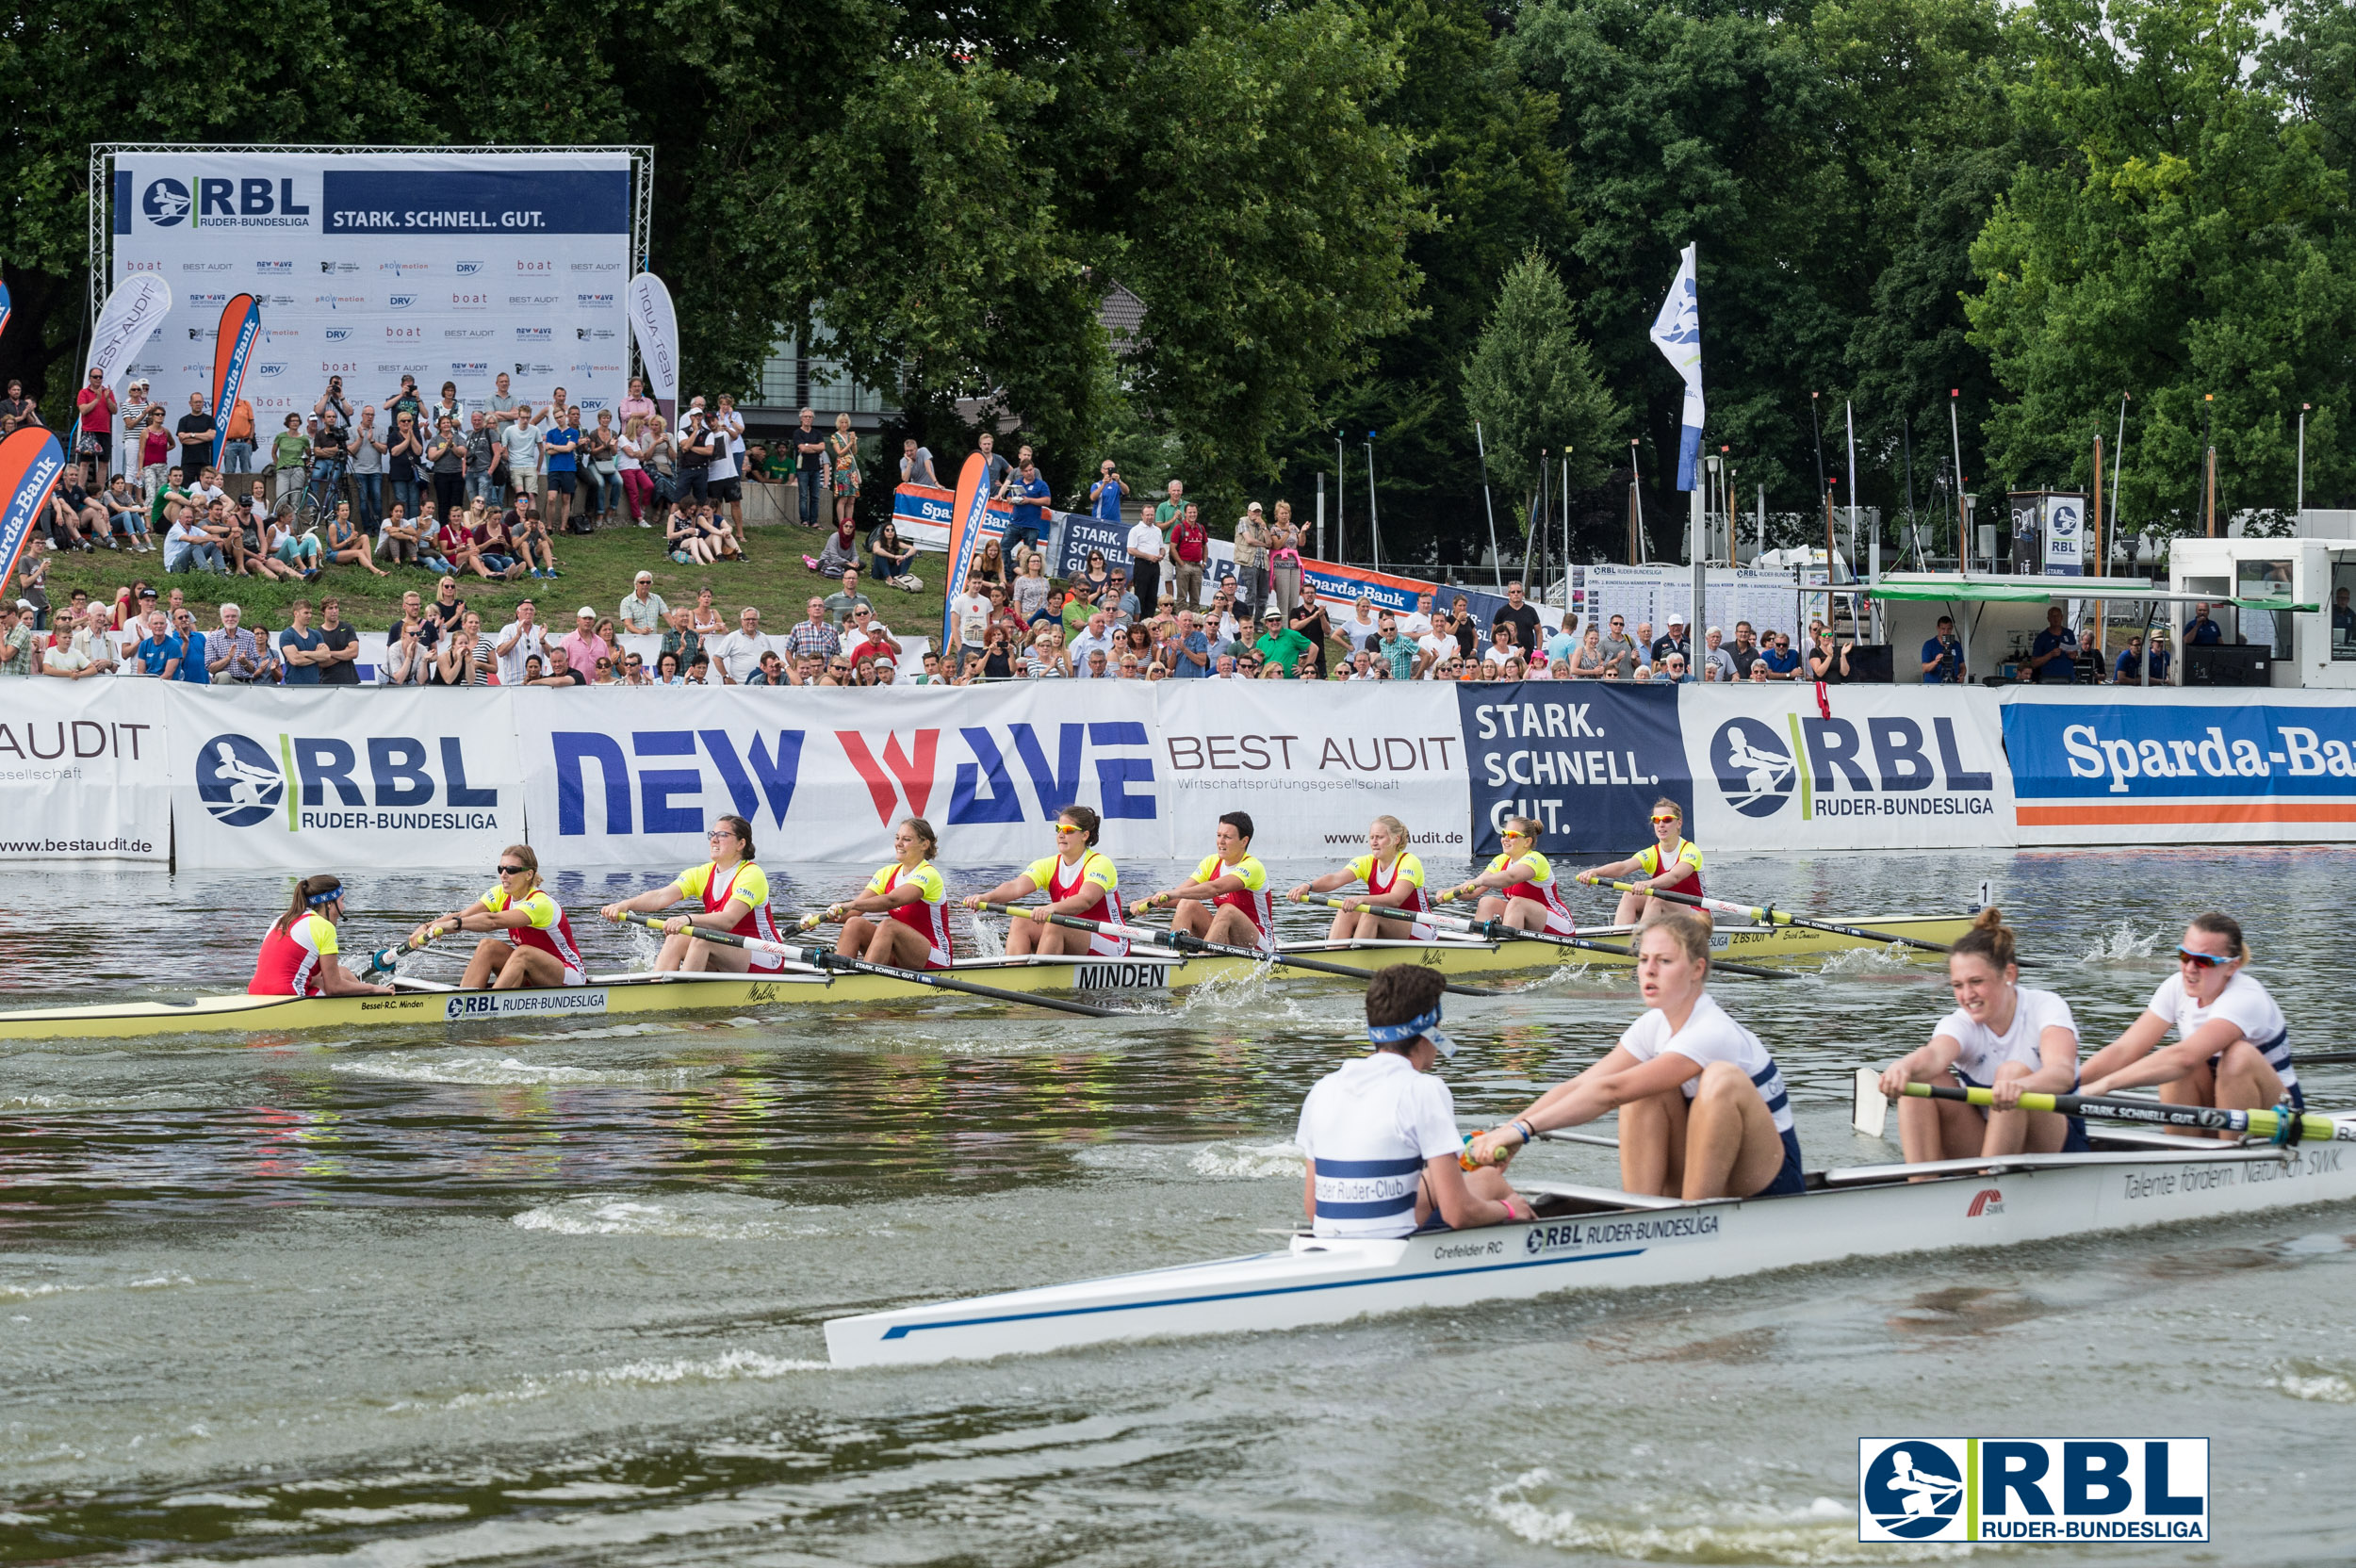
(839,553)
(188,546)
(1031,588)
(888,558)
(346,544)
(397,537)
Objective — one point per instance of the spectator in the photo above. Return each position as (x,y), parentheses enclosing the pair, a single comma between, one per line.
(187,548)
(482,453)
(635,404)
(738,654)
(839,553)
(667,671)
(410,659)
(157,653)
(1311,622)
(1027,489)
(971,616)
(330,449)
(1745,651)
(560,451)
(725,544)
(629,453)
(290,452)
(195,433)
(1105,494)
(79,648)
(840,603)
(1283,560)
(368,448)
(1187,651)
(1715,658)
(521,639)
(769,671)
(916,464)
(237,438)
(809,447)
(519,449)
(97,406)
(602,451)
(889,556)
(2054,656)
(930,674)
(583,644)
(1148,544)
(1672,641)
(301,650)
(1118,600)
(155,451)
(705,616)
(815,638)
(1252,537)
(870,640)
(1397,650)
(1520,616)
(559,673)
(2129,671)
(1827,663)
(403,457)
(989,566)
(1364,629)
(1942,655)
(682,638)
(338,658)
(683,538)
(1189,546)
(842,459)
(1619,648)
(1780,662)
(1047,660)
(126,515)
(643,610)
(1563,640)
(1281,645)
(725,479)
(995,469)
(530,531)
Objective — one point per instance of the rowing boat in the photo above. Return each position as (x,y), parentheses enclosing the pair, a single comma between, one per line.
(646,992)
(1596,1238)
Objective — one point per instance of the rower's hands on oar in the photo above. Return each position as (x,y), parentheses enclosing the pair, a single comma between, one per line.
(1300,894)
(2004,1094)
(1497,1145)
(676,925)
(613,912)
(1894,1080)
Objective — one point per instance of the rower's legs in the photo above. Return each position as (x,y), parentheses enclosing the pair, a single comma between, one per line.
(1525,914)
(2007,1132)
(676,948)
(1938,1130)
(490,955)
(897,944)
(530,966)
(1652,1144)
(857,933)
(1492,907)
(1631,909)
(1350,924)
(1023,935)
(712,959)
(1732,1149)
(2245,1081)
(1056,940)
(1230,926)
(1190,916)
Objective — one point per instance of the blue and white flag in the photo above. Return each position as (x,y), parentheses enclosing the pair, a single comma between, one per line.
(1678,330)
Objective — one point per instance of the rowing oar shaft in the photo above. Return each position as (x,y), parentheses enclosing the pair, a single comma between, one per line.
(2293,1128)
(822,958)
(1496,930)
(1767,914)
(1185,943)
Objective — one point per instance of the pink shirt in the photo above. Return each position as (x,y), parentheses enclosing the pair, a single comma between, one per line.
(584,650)
(636,408)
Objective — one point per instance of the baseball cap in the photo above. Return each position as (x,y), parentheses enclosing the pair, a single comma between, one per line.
(584,610)
(1675,619)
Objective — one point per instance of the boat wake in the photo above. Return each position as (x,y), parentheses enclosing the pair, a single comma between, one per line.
(2122,946)
(1822,1532)
(1216,1162)
(703,1217)
(507,1072)
(2321,1385)
(1890,960)
(729,1366)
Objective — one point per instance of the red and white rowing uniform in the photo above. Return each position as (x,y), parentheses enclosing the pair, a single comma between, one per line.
(1060,881)
(1407,870)
(749,884)
(928,919)
(290,958)
(1541,886)
(1252,900)
(549,930)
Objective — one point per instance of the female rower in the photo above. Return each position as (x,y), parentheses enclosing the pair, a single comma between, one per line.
(1227,898)
(2002,1036)
(908,903)
(2232,1047)
(1703,1112)
(297,956)
(1077,881)
(1519,887)
(1671,860)
(735,897)
(530,941)
(1394,880)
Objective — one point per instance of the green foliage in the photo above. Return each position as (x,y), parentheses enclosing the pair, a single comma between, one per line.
(1531,384)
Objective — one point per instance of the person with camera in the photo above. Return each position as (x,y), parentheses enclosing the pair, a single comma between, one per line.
(1942,656)
(333,408)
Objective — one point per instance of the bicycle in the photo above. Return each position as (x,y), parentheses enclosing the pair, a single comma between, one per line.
(314,503)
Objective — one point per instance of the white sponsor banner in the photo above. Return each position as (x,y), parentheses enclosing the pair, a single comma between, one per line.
(1891,767)
(331,777)
(448,267)
(134,312)
(1313,767)
(635,778)
(86,772)
(654,324)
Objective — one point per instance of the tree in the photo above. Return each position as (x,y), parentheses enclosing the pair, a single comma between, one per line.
(1531,384)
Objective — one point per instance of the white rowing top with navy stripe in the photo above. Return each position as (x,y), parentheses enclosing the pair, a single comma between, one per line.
(1369,1128)
(2245,1004)
(1709,1036)
(1984,1051)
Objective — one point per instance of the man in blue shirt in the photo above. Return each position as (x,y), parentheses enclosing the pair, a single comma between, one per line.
(2203,632)
(1029,493)
(1942,656)
(1105,494)
(560,445)
(158,652)
(2054,657)
(298,646)
(2124,672)
(192,666)
(1781,662)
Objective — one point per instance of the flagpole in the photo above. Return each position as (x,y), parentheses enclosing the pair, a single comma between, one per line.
(1496,562)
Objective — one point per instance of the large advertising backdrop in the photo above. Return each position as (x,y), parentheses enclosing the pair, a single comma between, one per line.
(443,265)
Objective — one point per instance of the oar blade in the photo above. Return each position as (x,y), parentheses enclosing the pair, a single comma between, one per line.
(1869,1113)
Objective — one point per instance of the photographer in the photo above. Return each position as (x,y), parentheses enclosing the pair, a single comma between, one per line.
(334,409)
(1942,656)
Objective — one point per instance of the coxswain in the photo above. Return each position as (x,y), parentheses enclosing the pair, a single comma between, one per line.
(1384,1157)
(1227,900)
(1519,888)
(2003,1036)
(1702,1111)
(734,892)
(2232,1047)
(1393,877)
(1078,881)
(531,939)
(903,917)
(1671,860)
(298,951)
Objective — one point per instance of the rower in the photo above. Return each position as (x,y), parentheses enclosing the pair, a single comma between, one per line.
(1671,860)
(909,903)
(1519,887)
(1227,899)
(1394,880)
(2232,1047)
(1078,881)
(1702,1111)
(532,940)
(734,892)
(297,957)
(2003,1036)
(1384,1157)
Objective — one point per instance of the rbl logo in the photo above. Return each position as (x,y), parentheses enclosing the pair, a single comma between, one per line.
(243,784)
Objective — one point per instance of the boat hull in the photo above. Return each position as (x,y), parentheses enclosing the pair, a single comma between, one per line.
(1322,1283)
(638,995)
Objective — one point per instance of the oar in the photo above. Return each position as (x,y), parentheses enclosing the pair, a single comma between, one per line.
(1183,942)
(822,958)
(1767,914)
(2295,1128)
(1496,930)
(384,958)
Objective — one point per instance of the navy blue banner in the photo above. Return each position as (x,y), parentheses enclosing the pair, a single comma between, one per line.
(1585,760)
(549,201)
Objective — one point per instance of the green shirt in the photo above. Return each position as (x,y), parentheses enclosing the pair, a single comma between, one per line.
(1284,648)
(840,605)
(288,450)
(21,641)
(1076,611)
(156,505)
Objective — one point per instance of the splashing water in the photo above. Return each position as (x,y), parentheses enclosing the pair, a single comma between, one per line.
(2121,946)
(1888,958)
(988,943)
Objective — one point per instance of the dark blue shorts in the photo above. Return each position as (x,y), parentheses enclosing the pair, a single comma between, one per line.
(1791,1179)
(564,479)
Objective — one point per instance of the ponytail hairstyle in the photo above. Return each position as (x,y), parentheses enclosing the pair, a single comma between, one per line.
(1526,825)
(1084,819)
(744,831)
(312,892)
(1989,938)
(2217,923)
(923,830)
(529,857)
(1688,928)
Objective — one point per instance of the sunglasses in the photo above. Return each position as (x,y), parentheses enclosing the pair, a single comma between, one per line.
(511,871)
(2206,960)
(1659,820)
(1515,833)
